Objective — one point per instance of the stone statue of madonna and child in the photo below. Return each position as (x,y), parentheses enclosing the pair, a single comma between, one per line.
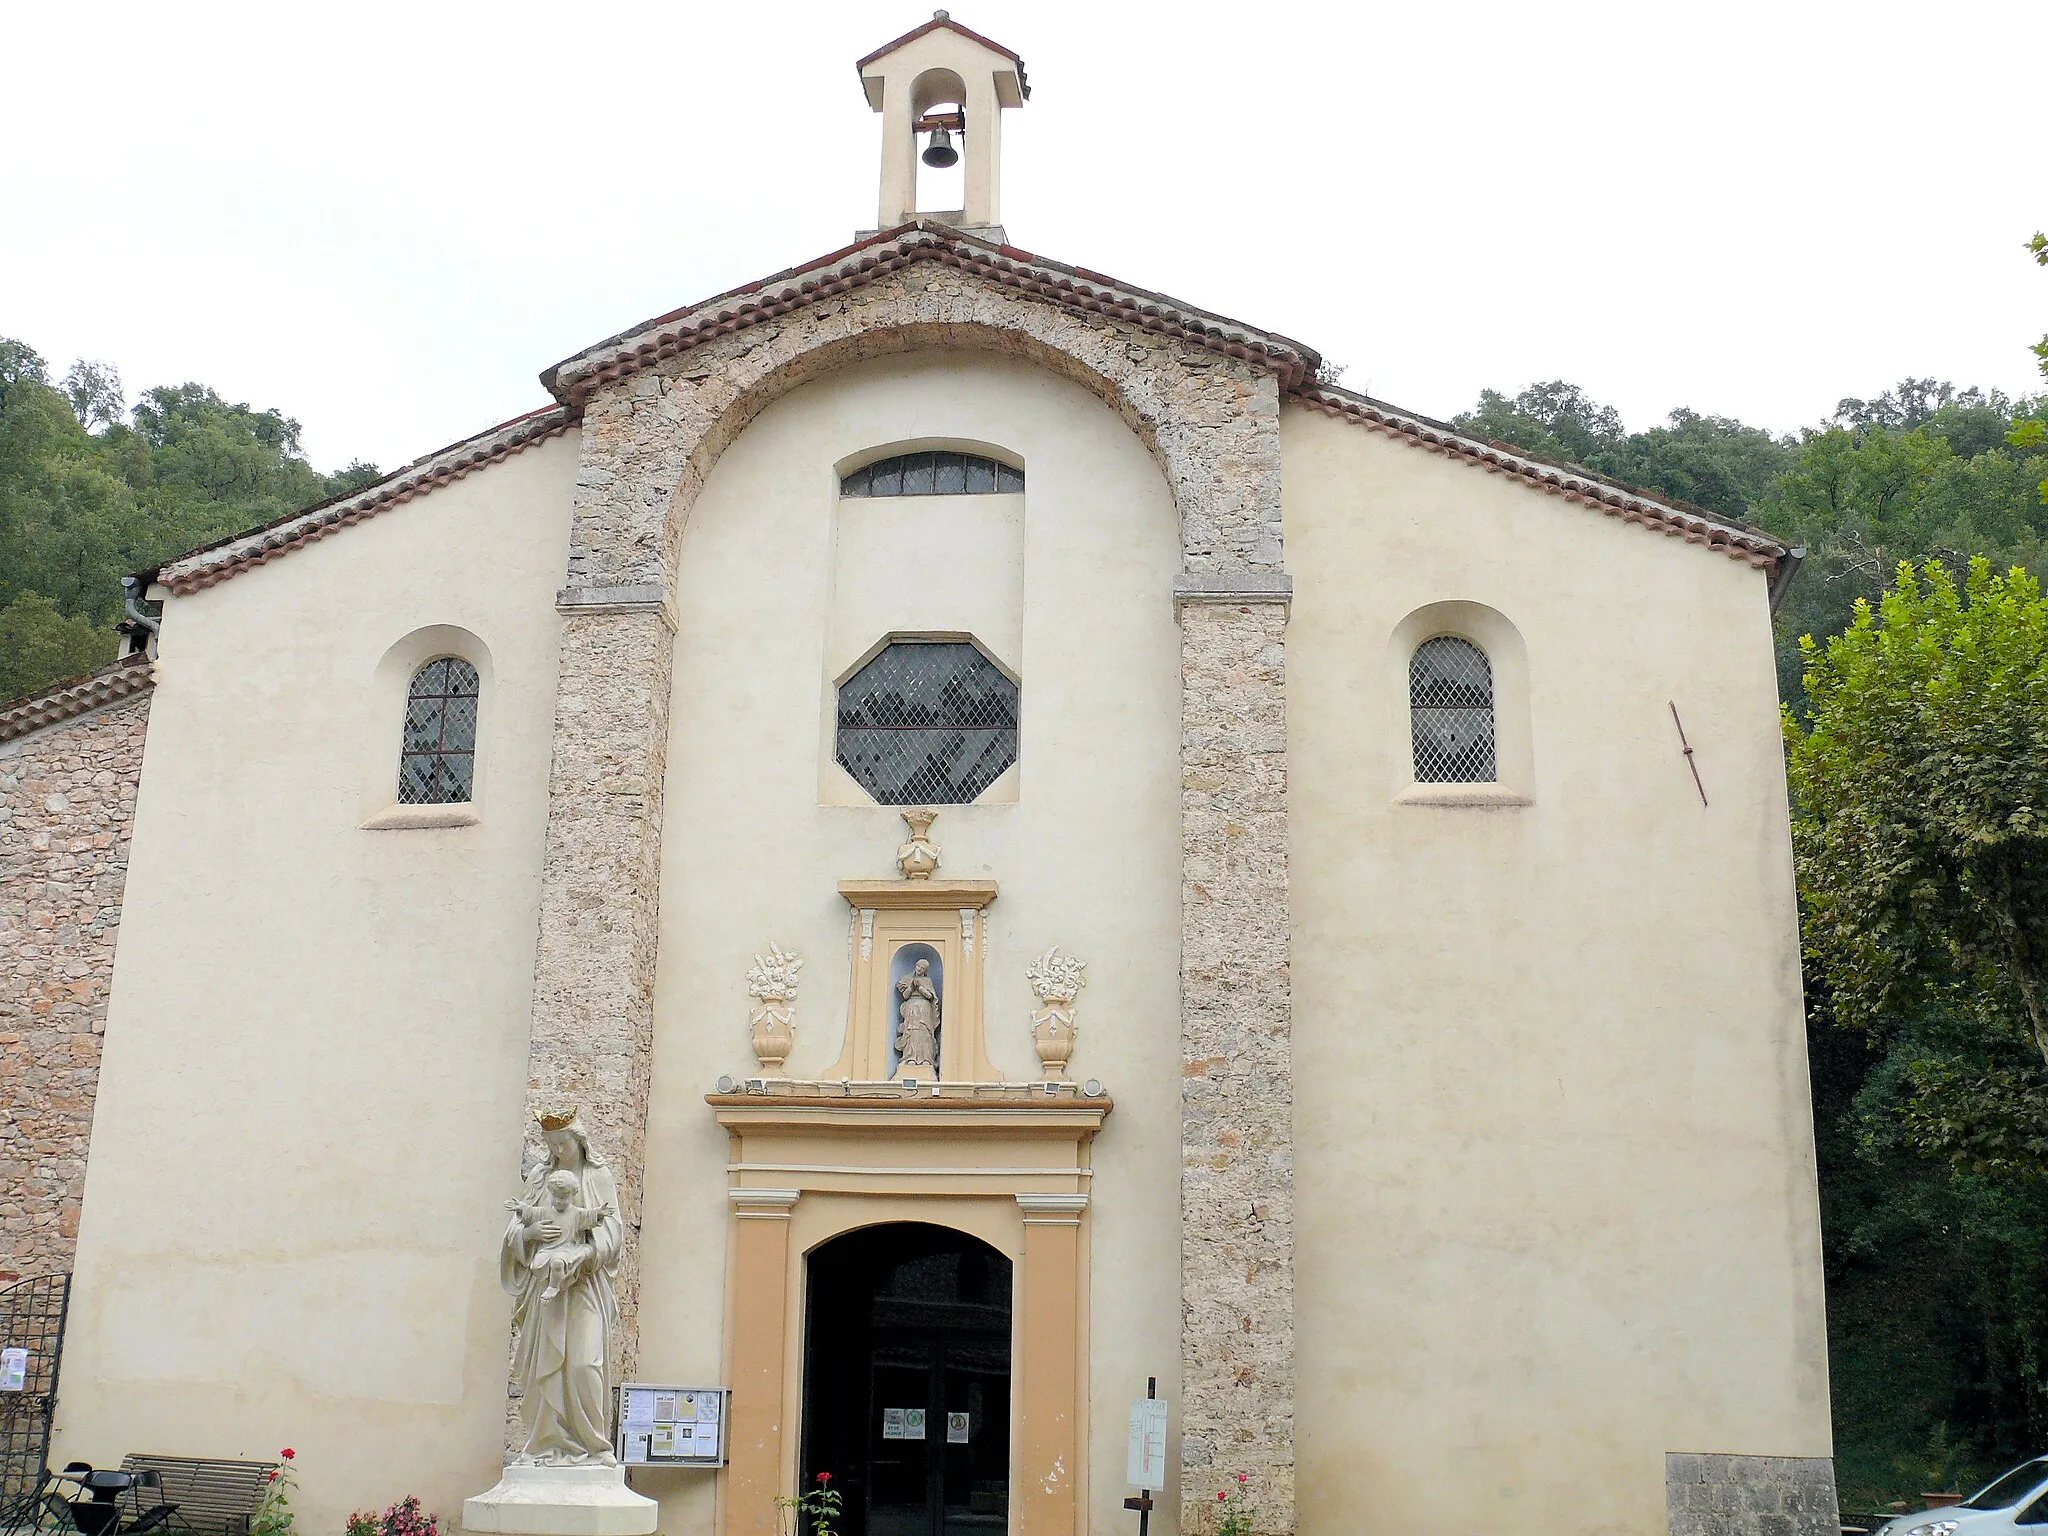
(557,1259)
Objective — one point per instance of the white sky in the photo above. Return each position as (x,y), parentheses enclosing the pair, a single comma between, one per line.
(386,219)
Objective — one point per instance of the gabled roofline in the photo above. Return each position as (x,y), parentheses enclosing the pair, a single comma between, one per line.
(197,569)
(941,19)
(656,341)
(865,261)
(1696,525)
(77,696)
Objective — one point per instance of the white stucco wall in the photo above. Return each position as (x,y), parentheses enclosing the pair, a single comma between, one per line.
(316,1053)
(1555,1171)
(1088,853)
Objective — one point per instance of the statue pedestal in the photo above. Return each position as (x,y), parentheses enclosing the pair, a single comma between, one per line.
(561,1501)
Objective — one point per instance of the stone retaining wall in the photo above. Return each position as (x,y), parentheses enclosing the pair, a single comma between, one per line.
(67,805)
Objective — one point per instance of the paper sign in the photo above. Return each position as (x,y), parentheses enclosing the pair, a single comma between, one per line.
(902,1423)
(13,1370)
(677,1426)
(956,1429)
(1147,1464)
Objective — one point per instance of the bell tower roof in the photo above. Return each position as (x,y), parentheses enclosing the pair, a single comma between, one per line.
(949,83)
(1012,88)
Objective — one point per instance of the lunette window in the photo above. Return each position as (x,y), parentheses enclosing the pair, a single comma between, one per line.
(437,762)
(927,722)
(936,473)
(1450,710)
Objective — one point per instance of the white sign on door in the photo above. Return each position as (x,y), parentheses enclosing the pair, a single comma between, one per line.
(1147,1466)
(13,1370)
(902,1423)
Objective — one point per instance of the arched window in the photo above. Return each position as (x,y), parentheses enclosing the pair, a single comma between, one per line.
(437,762)
(927,722)
(1450,709)
(940,473)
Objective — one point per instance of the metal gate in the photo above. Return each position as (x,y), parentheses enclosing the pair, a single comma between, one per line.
(32,1322)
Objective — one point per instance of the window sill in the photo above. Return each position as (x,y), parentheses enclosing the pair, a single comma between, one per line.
(401,817)
(1484,795)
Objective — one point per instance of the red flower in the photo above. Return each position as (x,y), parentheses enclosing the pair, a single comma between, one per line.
(824,1477)
(288,1453)
(1242,1478)
(1221,1496)
(270,1476)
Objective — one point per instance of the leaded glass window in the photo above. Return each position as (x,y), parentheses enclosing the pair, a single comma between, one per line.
(927,722)
(437,764)
(939,473)
(1450,708)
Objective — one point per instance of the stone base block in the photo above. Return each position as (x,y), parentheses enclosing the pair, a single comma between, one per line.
(1750,1495)
(561,1501)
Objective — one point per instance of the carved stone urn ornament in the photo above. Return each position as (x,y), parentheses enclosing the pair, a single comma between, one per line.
(1056,979)
(918,859)
(772,982)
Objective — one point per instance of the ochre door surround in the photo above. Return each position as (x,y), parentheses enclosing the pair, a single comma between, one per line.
(1007,1163)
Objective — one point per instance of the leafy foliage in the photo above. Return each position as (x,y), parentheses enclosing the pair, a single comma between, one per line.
(86,497)
(1921,832)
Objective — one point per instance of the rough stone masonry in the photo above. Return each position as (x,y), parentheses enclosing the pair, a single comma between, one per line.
(656,415)
(67,805)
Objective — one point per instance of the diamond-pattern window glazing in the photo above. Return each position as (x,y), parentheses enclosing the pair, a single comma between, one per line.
(437,762)
(938,473)
(1450,707)
(927,722)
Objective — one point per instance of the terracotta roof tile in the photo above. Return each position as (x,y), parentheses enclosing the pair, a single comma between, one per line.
(943,20)
(1664,515)
(198,569)
(65,701)
(865,261)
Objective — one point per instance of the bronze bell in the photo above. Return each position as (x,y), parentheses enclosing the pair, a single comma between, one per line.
(940,153)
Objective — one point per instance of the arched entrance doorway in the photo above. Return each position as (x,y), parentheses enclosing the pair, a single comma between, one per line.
(907,1380)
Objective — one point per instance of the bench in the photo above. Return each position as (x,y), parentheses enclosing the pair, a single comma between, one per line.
(202,1495)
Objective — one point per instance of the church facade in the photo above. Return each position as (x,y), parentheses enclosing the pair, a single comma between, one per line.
(1050,848)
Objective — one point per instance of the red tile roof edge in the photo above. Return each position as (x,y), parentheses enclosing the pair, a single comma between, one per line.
(943,20)
(1692,524)
(77,696)
(200,568)
(857,265)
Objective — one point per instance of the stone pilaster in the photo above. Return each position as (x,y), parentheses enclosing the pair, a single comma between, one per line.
(658,407)
(1237,1096)
(593,993)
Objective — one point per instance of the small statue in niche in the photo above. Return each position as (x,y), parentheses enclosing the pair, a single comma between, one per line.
(917,1025)
(772,981)
(1057,981)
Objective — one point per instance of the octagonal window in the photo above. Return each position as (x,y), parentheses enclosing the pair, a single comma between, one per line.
(927,722)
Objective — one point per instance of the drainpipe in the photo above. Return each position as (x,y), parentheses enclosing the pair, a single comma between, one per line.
(140,631)
(1781,582)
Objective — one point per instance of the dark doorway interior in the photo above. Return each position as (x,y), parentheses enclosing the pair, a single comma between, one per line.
(907,1381)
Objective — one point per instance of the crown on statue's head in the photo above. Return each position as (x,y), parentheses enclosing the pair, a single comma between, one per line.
(556,1119)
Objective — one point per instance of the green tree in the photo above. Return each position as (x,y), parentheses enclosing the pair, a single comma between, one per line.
(1554,421)
(40,645)
(1920,828)
(86,497)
